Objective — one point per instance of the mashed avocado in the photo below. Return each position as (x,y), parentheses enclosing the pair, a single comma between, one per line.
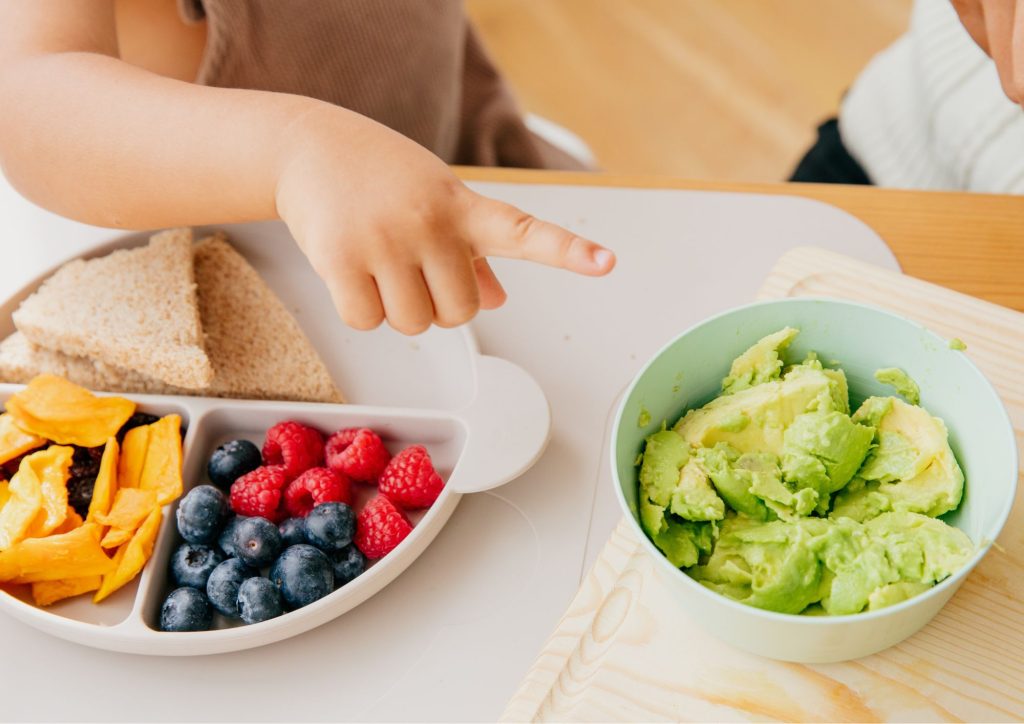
(775,495)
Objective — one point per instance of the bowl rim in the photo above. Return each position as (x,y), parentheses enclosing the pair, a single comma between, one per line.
(953,581)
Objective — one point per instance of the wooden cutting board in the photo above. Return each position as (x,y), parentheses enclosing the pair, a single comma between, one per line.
(625,650)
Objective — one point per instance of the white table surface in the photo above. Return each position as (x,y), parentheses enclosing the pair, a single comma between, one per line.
(453,636)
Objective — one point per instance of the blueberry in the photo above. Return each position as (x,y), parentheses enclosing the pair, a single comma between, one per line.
(258,600)
(303,574)
(231,461)
(191,564)
(256,541)
(185,609)
(80,494)
(330,526)
(347,565)
(222,587)
(201,514)
(293,531)
(226,541)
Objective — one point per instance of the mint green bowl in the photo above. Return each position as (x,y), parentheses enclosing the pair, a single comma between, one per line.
(687,373)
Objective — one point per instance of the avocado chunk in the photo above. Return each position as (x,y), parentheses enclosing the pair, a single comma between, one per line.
(761,363)
(682,541)
(664,457)
(770,408)
(780,496)
(895,593)
(821,451)
(773,565)
(901,382)
(788,566)
(752,484)
(893,458)
(732,480)
(912,468)
(866,560)
(694,498)
(677,500)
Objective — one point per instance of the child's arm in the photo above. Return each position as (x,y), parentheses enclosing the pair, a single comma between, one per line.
(386,224)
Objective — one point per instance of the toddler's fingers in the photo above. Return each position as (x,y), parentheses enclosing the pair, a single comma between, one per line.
(406,300)
(453,289)
(492,294)
(498,229)
(357,300)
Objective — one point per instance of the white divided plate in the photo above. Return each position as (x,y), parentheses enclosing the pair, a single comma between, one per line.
(484,421)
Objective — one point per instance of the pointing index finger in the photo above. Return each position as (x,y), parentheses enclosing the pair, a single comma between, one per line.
(498,229)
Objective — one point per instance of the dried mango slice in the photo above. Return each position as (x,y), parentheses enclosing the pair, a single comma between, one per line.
(22,508)
(58,410)
(71,521)
(116,537)
(50,467)
(45,593)
(162,469)
(131,507)
(134,556)
(68,555)
(14,441)
(5,493)
(106,481)
(133,457)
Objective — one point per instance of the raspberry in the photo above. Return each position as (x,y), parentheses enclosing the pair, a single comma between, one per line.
(380,527)
(358,453)
(259,492)
(315,486)
(410,480)
(294,446)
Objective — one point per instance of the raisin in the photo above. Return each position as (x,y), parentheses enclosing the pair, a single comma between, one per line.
(85,462)
(137,420)
(80,494)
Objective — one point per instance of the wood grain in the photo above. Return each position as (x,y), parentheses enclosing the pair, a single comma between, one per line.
(613,656)
(973,243)
(725,90)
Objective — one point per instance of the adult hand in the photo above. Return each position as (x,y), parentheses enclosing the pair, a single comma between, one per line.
(998,27)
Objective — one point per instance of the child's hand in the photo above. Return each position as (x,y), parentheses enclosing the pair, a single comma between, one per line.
(998,27)
(396,236)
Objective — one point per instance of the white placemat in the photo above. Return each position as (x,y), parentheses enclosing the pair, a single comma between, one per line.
(453,636)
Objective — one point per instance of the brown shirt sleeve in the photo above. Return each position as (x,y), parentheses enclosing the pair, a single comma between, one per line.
(416,66)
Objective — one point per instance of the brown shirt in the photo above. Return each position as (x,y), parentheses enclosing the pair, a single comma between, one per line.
(416,66)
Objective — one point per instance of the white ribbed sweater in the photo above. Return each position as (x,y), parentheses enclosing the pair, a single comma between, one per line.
(929,113)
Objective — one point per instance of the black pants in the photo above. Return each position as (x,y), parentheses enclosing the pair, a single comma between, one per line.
(828,161)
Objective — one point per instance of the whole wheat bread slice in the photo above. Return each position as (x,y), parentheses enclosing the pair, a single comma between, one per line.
(20,361)
(257,348)
(132,309)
